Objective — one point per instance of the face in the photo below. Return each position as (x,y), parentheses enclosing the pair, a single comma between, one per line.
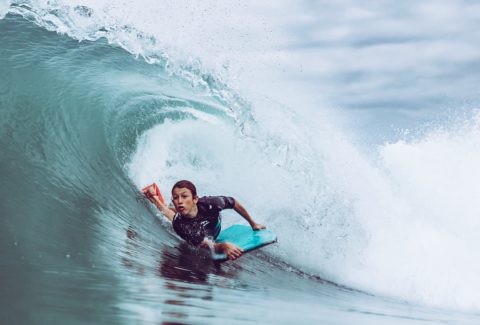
(184,201)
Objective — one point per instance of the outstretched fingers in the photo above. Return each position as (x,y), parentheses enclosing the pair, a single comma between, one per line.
(233,251)
(235,254)
(258,226)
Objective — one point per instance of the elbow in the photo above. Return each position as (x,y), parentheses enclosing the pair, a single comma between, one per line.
(236,204)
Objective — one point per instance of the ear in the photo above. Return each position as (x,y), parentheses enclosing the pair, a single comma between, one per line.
(195,199)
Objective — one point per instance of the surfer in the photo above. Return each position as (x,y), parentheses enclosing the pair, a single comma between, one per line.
(197,220)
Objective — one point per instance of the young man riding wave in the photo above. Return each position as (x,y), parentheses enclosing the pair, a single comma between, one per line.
(197,220)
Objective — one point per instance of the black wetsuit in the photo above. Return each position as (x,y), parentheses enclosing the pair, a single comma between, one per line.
(206,223)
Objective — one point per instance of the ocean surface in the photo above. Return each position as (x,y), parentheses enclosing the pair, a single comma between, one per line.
(351,131)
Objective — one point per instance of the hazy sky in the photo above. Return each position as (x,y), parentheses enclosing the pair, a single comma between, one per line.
(390,54)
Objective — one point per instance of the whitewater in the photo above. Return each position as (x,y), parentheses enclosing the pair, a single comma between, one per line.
(351,131)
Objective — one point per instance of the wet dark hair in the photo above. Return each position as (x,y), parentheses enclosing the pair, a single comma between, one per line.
(186,184)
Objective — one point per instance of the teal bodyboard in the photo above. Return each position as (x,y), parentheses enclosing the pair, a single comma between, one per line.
(244,237)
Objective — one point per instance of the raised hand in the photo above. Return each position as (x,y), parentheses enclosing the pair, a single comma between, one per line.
(149,192)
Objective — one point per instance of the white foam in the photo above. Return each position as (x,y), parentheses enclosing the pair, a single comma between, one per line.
(414,219)
(4,7)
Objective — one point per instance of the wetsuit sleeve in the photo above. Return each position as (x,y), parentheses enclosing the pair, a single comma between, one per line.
(220,203)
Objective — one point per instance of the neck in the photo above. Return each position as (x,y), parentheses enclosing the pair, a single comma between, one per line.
(193,213)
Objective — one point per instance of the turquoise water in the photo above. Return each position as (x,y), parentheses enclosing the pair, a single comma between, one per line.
(85,124)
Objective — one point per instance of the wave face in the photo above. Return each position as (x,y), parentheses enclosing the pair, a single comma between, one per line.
(94,105)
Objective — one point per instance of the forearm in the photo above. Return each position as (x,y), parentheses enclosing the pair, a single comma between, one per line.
(212,245)
(208,243)
(165,210)
(243,212)
(231,250)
